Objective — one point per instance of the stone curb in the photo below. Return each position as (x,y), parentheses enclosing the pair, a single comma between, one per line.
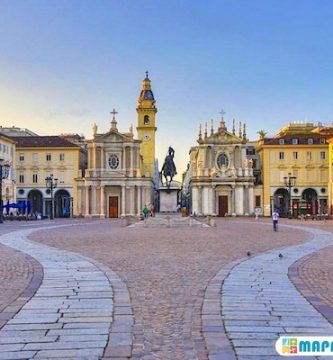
(302,287)
(213,329)
(15,306)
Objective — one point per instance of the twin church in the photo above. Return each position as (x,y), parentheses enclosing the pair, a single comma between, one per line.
(121,177)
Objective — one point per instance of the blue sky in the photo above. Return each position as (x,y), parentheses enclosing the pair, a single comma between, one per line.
(66,64)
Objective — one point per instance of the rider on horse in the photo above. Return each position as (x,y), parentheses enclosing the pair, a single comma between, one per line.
(169,167)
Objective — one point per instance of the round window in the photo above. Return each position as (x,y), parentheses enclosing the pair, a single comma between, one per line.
(113,161)
(222,161)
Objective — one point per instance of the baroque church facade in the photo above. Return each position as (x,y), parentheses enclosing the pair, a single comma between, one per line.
(119,179)
(219,179)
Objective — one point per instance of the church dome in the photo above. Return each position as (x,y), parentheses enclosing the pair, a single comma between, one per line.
(146,93)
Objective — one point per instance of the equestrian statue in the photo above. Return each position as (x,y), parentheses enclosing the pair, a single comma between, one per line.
(168,168)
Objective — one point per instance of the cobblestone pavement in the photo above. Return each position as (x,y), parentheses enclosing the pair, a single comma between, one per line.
(174,277)
(167,272)
(70,314)
(259,303)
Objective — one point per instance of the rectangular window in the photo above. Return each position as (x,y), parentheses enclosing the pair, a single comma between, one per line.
(322,141)
(0,147)
(34,178)
(250,151)
(48,157)
(322,155)
(21,157)
(62,177)
(62,157)
(281,155)
(308,155)
(310,141)
(295,155)
(281,141)
(21,178)
(34,157)
(258,201)
(294,141)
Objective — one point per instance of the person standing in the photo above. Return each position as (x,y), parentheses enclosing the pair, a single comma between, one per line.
(275,218)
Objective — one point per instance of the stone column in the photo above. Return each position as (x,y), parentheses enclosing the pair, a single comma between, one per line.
(94,158)
(123,202)
(102,200)
(233,200)
(94,211)
(131,162)
(246,200)
(79,201)
(251,200)
(199,200)
(213,199)
(205,200)
(87,212)
(139,200)
(239,200)
(132,200)
(195,200)
(103,160)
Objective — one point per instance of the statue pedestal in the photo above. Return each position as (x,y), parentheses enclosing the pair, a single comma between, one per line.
(168,198)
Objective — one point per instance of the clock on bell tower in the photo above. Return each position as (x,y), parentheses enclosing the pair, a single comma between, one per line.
(146,127)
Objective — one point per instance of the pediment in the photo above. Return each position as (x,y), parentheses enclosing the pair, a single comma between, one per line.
(223,137)
(112,137)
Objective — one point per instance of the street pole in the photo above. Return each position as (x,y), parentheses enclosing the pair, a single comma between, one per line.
(289,182)
(4,173)
(51,184)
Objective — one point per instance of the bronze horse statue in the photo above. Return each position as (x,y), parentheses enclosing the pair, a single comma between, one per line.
(168,168)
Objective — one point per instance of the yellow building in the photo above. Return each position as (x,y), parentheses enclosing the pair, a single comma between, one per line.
(295,160)
(37,157)
(7,156)
(146,128)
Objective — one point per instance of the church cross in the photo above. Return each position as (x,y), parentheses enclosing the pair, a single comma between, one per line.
(113,112)
(147,74)
(222,112)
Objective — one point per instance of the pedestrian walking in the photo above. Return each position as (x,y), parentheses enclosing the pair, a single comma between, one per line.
(275,218)
(145,211)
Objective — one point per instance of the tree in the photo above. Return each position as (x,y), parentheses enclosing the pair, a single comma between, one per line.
(262,133)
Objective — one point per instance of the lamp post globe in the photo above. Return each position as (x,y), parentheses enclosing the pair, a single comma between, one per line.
(4,173)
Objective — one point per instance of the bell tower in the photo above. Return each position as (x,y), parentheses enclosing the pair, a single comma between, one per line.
(146,127)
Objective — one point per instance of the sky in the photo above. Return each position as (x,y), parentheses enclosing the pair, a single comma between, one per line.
(65,64)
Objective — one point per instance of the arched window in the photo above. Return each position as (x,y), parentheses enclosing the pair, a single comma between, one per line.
(146,120)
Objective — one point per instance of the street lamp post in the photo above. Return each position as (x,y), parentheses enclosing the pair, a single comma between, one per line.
(51,184)
(4,173)
(290,182)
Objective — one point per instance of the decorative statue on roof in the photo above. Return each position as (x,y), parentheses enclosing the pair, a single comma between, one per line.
(169,167)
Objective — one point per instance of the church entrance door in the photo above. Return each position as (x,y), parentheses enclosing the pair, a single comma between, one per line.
(223,205)
(113,206)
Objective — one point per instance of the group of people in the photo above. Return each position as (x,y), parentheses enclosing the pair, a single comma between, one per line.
(148,210)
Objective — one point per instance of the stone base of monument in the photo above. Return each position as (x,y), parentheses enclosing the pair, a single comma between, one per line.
(168,198)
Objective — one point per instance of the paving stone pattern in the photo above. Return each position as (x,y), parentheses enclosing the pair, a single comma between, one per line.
(167,271)
(259,302)
(71,313)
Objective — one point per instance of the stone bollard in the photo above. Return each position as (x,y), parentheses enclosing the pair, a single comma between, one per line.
(168,221)
(212,221)
(124,222)
(191,221)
